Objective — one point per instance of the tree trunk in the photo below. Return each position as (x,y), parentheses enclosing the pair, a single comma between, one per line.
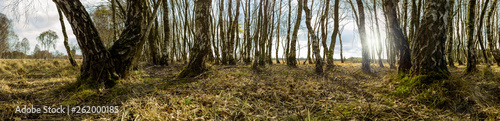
(489,33)
(405,17)
(278,36)
(291,56)
(471,56)
(232,30)
(308,49)
(113,11)
(379,49)
(365,64)
(101,65)
(166,31)
(287,48)
(324,25)
(270,38)
(336,22)
(450,33)
(314,40)
(429,57)
(413,20)
(153,39)
(257,40)
(196,63)
(397,37)
(66,45)
(264,34)
(459,37)
(480,37)
(341,48)
(247,34)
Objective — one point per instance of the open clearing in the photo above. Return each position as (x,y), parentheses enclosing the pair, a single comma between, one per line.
(276,92)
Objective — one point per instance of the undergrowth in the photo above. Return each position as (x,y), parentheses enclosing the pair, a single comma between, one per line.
(456,93)
(276,92)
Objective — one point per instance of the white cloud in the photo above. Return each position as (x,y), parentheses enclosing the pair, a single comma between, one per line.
(32,17)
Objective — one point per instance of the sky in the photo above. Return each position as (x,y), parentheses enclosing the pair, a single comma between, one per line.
(32,17)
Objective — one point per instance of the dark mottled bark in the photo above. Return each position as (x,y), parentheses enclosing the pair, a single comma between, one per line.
(99,64)
(471,54)
(429,54)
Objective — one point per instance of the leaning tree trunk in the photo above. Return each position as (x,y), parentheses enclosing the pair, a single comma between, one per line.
(489,33)
(365,64)
(471,56)
(480,37)
(314,40)
(66,45)
(397,36)
(291,55)
(336,21)
(196,63)
(101,65)
(430,58)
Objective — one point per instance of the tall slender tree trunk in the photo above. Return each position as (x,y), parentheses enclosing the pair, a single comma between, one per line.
(429,57)
(287,47)
(489,33)
(324,36)
(196,63)
(166,31)
(247,33)
(336,21)
(341,48)
(459,37)
(278,36)
(480,37)
(308,49)
(232,30)
(257,39)
(471,56)
(379,49)
(66,45)
(365,63)
(291,56)
(153,39)
(264,34)
(270,38)
(314,40)
(398,37)
(449,39)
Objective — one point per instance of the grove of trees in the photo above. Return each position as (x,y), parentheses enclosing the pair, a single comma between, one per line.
(423,37)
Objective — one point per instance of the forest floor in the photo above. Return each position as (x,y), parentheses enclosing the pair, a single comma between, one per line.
(276,92)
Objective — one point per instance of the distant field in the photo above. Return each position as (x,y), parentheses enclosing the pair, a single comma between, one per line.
(277,92)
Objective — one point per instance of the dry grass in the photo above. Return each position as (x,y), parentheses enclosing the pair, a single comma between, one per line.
(277,92)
